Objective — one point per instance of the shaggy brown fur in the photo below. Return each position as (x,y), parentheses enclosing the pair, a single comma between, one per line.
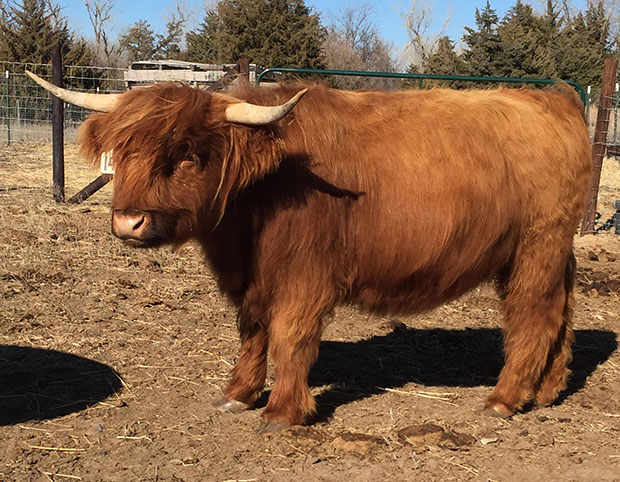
(397,202)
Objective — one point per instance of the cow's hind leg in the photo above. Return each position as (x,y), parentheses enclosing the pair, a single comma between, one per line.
(537,333)
(554,377)
(250,371)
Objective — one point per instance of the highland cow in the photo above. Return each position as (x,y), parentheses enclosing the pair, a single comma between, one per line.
(304,197)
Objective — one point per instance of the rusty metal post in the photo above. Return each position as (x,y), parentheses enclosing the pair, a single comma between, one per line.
(599,143)
(91,189)
(58,115)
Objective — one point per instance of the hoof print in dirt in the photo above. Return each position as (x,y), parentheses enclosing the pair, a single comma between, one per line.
(430,435)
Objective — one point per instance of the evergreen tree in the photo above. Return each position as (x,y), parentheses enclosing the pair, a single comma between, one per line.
(28,30)
(139,42)
(520,34)
(200,46)
(482,45)
(549,43)
(268,32)
(445,61)
(585,45)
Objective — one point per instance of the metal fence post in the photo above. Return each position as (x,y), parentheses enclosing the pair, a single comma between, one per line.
(599,143)
(8,109)
(58,114)
(588,103)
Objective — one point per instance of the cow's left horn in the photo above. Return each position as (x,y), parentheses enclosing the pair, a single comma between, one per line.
(96,102)
(260,115)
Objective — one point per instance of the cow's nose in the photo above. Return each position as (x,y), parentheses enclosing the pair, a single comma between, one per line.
(130,224)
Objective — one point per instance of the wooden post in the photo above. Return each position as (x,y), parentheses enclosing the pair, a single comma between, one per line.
(58,115)
(244,69)
(599,143)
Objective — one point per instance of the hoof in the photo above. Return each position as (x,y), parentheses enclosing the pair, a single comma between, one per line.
(498,410)
(231,406)
(271,427)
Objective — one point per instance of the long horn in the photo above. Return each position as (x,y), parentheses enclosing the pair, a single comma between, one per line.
(96,102)
(260,115)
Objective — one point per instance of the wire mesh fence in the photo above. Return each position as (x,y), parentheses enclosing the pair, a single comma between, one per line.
(607,214)
(603,199)
(26,108)
(26,115)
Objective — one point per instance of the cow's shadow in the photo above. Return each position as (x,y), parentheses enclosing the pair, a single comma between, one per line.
(435,357)
(37,384)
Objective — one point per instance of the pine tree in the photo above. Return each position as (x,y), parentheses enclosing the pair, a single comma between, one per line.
(201,46)
(520,35)
(268,32)
(482,45)
(28,30)
(139,42)
(445,61)
(585,44)
(549,43)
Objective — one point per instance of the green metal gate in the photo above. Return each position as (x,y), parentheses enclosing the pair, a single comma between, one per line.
(421,77)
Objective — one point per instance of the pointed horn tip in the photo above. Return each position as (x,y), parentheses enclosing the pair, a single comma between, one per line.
(300,94)
(292,102)
(36,78)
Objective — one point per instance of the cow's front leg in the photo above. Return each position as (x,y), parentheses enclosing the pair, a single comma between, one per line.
(294,339)
(248,376)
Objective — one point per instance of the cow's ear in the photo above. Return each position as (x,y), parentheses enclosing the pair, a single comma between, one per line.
(89,138)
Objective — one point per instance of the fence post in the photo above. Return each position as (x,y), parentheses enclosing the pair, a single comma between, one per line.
(8,109)
(244,69)
(588,103)
(615,107)
(58,114)
(599,143)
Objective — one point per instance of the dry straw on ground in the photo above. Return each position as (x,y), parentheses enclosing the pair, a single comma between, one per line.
(110,358)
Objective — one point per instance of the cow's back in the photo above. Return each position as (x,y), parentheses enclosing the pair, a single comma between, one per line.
(449,182)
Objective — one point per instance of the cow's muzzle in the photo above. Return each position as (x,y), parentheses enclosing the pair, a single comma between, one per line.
(131,225)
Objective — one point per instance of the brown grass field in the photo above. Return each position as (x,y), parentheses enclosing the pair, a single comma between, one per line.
(110,358)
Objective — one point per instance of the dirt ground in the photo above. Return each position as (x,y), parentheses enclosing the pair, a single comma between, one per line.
(110,358)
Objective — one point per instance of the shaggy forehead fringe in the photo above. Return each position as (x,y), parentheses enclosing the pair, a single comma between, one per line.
(149,122)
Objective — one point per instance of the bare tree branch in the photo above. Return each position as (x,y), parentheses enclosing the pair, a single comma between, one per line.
(418,21)
(99,13)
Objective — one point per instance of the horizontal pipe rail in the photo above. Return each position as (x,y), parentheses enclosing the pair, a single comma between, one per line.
(398,75)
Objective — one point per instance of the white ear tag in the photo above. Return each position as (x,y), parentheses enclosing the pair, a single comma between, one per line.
(107,163)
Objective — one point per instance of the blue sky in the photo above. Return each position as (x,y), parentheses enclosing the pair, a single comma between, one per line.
(386,14)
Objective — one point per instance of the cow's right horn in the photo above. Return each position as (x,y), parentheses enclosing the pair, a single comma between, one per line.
(260,115)
(96,102)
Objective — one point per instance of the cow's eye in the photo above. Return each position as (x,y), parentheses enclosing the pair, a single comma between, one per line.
(190,165)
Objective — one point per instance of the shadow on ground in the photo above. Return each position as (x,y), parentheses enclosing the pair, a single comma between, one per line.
(37,384)
(463,358)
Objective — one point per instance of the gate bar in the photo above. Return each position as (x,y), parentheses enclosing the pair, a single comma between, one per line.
(397,75)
